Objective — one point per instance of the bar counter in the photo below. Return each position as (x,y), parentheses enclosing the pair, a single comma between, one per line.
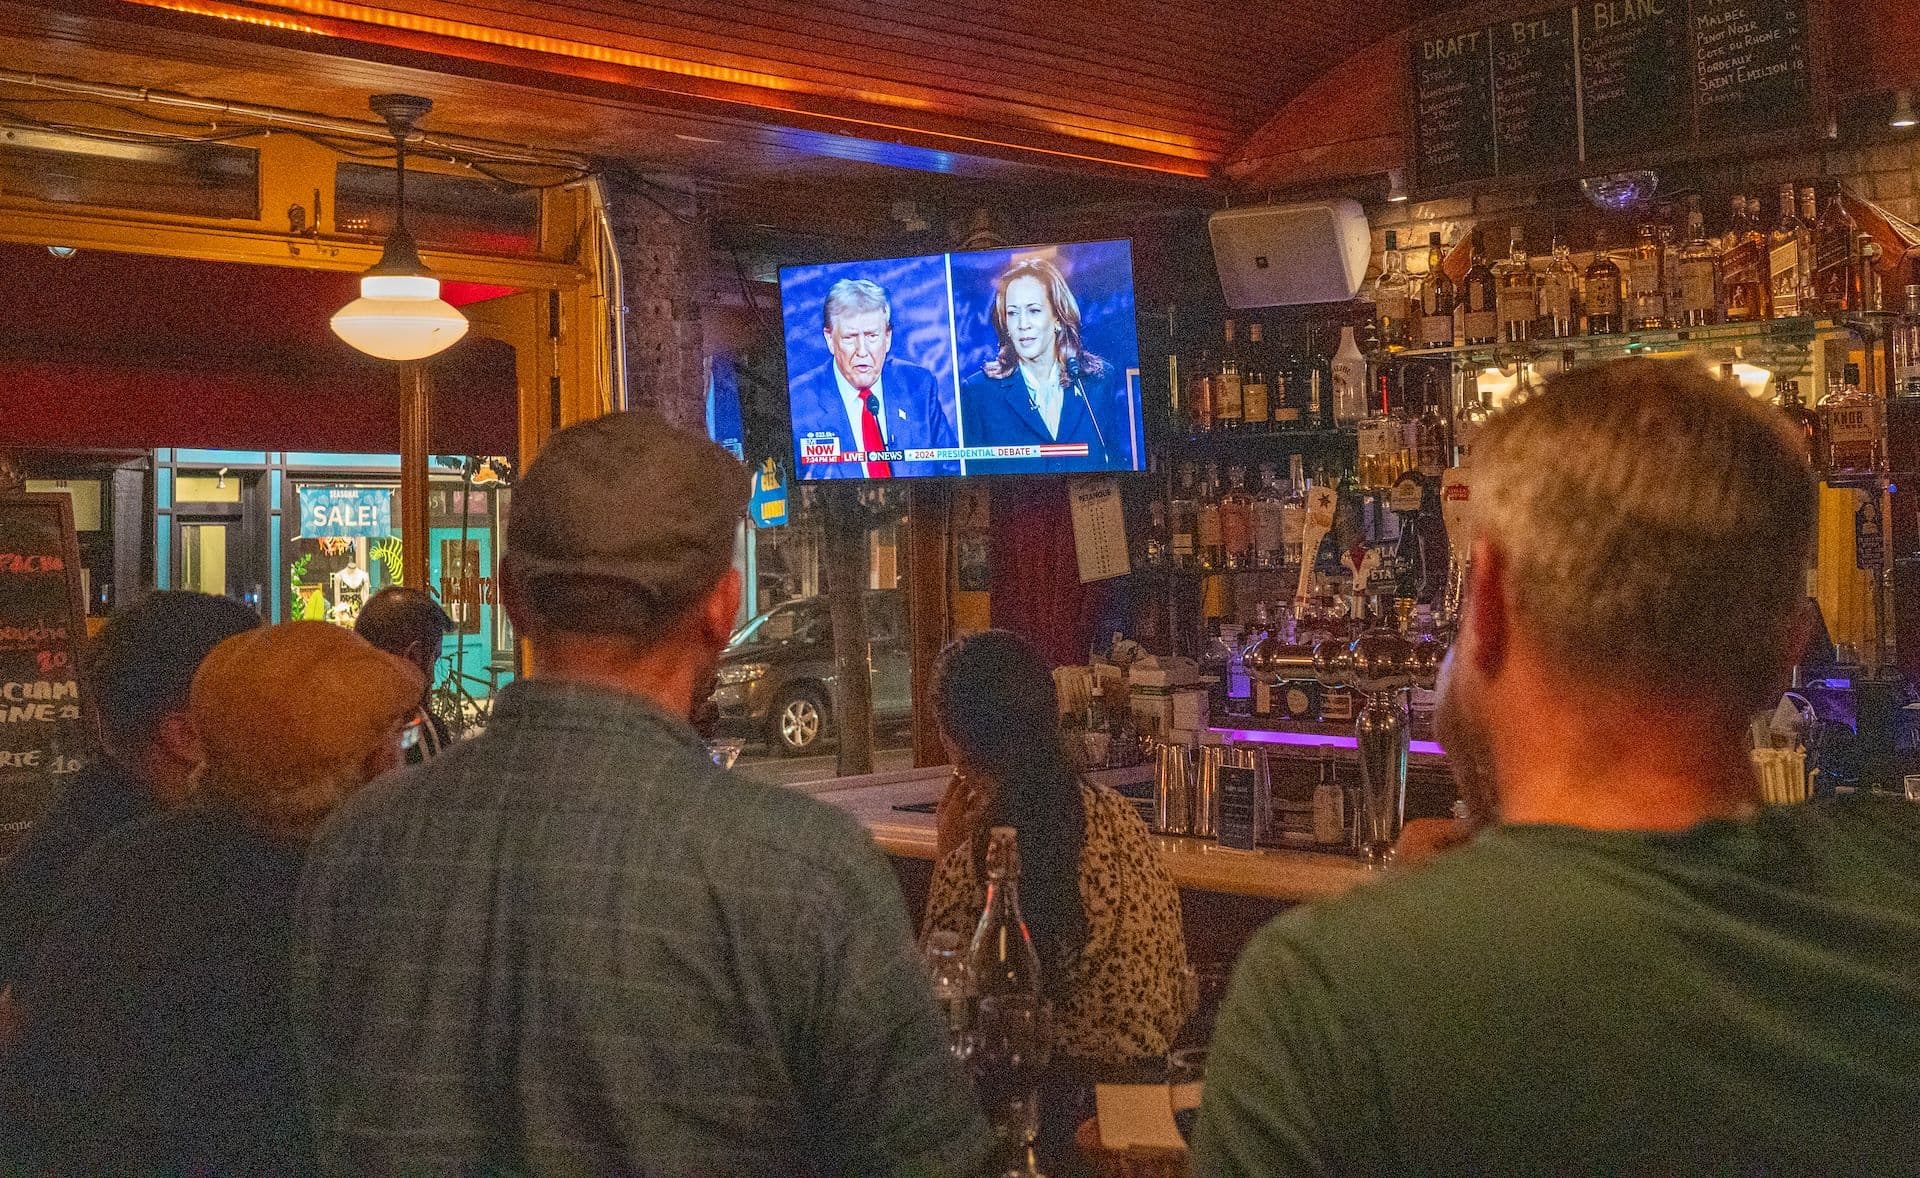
(1197,865)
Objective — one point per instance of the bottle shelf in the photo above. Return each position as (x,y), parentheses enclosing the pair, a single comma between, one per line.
(1283,441)
(1771,339)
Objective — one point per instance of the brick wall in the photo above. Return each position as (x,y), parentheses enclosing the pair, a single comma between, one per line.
(663,242)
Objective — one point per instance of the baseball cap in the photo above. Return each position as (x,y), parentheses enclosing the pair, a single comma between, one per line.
(632,498)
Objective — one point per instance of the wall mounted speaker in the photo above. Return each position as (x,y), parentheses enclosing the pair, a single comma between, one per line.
(1285,255)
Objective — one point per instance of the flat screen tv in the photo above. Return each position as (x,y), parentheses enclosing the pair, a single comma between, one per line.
(1002,361)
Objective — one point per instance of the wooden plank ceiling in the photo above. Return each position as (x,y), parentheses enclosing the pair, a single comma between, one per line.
(1157,88)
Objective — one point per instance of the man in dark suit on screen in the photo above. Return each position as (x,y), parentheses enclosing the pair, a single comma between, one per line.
(863,401)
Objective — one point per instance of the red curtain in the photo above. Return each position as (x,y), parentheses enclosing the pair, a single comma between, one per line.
(1035,574)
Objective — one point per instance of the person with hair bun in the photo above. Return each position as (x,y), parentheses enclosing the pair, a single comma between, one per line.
(155,1032)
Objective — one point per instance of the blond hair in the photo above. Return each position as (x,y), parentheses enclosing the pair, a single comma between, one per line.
(1657,524)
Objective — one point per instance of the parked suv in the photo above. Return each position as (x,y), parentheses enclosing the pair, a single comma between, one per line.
(775,679)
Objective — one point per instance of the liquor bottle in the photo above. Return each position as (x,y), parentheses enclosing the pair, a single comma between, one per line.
(1430,441)
(1349,380)
(1851,429)
(1228,405)
(1285,394)
(1519,297)
(1436,299)
(1806,423)
(1391,297)
(1001,961)
(1481,294)
(1255,391)
(1647,282)
(1699,274)
(1236,520)
(1378,450)
(1468,420)
(1559,282)
(1606,312)
(1906,340)
(1256,634)
(1213,554)
(1736,224)
(1269,506)
(1783,258)
(1836,265)
(1200,399)
(1186,521)
(1807,289)
(1293,519)
(1672,233)
(1749,277)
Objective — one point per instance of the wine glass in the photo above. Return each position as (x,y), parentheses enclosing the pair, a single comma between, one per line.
(1010,1049)
(1186,1079)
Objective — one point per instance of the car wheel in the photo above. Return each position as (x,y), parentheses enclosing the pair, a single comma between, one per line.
(799,722)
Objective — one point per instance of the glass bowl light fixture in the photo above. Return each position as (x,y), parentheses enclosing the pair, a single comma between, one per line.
(1620,191)
(400,314)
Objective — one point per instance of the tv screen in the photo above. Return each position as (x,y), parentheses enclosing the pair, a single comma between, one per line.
(1003,361)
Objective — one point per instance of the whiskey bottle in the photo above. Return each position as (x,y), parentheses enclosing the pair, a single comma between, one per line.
(1236,520)
(1519,297)
(1850,428)
(1605,312)
(1391,303)
(1269,507)
(1559,311)
(1783,258)
(1185,525)
(1212,544)
(1673,235)
(1228,404)
(1468,420)
(1647,282)
(1749,278)
(1835,263)
(1806,423)
(1807,292)
(1699,274)
(1436,299)
(1906,340)
(1293,514)
(1481,293)
(1256,394)
(1430,441)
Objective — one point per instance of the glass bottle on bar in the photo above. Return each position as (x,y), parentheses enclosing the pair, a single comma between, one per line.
(1293,518)
(1606,312)
(1200,399)
(1349,380)
(1377,449)
(1559,287)
(1749,278)
(1699,273)
(1851,430)
(1228,406)
(1284,405)
(1003,974)
(1806,423)
(1391,301)
(1437,297)
(1807,289)
(1469,419)
(1269,509)
(1430,439)
(1519,298)
(1256,392)
(1185,521)
(1207,537)
(1835,262)
(1906,339)
(1481,293)
(1001,960)
(1647,282)
(1236,520)
(1672,232)
(1783,257)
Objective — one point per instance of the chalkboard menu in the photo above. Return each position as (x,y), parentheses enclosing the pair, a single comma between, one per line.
(1239,807)
(43,734)
(1750,66)
(1533,94)
(1633,76)
(1453,121)
(1576,89)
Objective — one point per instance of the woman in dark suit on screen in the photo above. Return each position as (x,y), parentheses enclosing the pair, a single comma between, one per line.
(1044,388)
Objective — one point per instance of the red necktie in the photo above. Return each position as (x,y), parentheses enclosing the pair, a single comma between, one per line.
(870,439)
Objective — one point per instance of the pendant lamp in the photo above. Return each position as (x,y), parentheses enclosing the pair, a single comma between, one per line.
(400,314)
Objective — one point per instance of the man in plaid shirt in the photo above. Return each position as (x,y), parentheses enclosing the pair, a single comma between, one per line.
(575,945)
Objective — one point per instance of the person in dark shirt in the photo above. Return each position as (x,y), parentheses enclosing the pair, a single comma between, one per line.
(1632,967)
(154,1028)
(135,675)
(407,622)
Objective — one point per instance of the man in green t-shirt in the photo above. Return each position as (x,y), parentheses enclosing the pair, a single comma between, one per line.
(1632,966)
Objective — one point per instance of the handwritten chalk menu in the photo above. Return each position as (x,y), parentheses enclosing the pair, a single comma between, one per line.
(1239,807)
(1453,118)
(1533,94)
(1750,66)
(1633,76)
(1604,84)
(43,734)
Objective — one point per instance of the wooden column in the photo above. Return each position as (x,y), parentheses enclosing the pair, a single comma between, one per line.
(416,388)
(929,608)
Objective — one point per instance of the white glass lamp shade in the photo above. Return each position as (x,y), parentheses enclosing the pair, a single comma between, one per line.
(399,317)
